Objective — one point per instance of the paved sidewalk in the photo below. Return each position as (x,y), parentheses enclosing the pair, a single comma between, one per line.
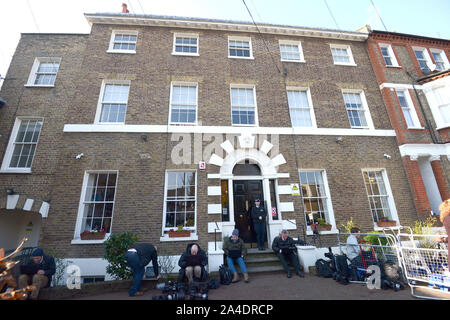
(276,286)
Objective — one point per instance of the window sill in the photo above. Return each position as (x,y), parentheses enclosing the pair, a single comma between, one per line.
(416,128)
(377,228)
(39,85)
(186,54)
(295,61)
(395,67)
(244,125)
(15,171)
(345,64)
(79,241)
(332,231)
(244,58)
(443,127)
(121,51)
(166,238)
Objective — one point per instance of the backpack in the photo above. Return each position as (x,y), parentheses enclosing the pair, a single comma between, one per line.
(323,268)
(225,275)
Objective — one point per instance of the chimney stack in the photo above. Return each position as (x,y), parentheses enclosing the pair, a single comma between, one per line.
(124,8)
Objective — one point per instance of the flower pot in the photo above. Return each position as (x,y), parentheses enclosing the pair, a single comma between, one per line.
(384,224)
(182,234)
(92,236)
(321,228)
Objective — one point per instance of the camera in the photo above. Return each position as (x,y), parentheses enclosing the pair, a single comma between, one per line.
(171,291)
(198,291)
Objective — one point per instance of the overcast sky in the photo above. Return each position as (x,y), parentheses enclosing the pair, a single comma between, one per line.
(422,17)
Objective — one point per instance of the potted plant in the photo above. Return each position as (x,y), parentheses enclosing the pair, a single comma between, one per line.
(93,234)
(179,232)
(321,225)
(384,222)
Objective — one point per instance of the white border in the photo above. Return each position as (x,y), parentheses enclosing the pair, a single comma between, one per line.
(238,38)
(391,55)
(186,35)
(429,62)
(443,57)
(100,101)
(349,53)
(295,43)
(37,62)
(365,107)
(311,107)
(126,32)
(10,148)
(79,221)
(244,86)
(412,109)
(181,83)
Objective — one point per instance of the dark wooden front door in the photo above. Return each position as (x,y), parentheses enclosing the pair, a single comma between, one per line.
(244,194)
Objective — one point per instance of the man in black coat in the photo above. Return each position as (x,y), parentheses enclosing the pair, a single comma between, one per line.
(258,214)
(137,257)
(284,247)
(38,271)
(192,263)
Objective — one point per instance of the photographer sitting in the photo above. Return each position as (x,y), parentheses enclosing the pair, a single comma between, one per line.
(38,271)
(284,247)
(235,250)
(192,263)
(353,251)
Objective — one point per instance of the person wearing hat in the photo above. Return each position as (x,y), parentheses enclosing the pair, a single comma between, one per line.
(235,250)
(258,214)
(38,271)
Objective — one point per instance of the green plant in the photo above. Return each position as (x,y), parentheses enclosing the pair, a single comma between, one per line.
(349,225)
(115,248)
(61,264)
(374,238)
(423,226)
(322,222)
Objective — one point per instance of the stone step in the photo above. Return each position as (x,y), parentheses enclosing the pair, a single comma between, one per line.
(264,268)
(262,260)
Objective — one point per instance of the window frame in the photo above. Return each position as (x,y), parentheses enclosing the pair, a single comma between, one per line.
(237,38)
(165,229)
(244,86)
(187,84)
(391,55)
(125,32)
(443,56)
(310,103)
(80,213)
(186,35)
(427,58)
(365,106)
(349,53)
(331,218)
(99,110)
(411,107)
(389,194)
(5,168)
(35,67)
(430,92)
(292,43)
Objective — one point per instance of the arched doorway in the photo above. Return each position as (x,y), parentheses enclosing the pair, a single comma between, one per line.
(247,187)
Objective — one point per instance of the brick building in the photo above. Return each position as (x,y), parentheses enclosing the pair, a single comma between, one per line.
(150,122)
(412,72)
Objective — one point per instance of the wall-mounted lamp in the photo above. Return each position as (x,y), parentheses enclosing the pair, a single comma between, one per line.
(339,140)
(10,191)
(78,157)
(387,156)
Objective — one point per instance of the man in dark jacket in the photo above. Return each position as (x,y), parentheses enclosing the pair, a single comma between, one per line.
(192,263)
(258,214)
(236,251)
(39,271)
(137,257)
(284,247)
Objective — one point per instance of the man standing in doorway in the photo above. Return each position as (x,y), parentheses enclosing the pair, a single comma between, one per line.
(259,214)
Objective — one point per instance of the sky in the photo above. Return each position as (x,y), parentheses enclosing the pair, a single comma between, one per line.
(429,18)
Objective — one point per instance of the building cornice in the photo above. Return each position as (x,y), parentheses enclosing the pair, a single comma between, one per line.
(194,23)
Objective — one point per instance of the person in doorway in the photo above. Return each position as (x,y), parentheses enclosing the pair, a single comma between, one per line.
(353,251)
(38,271)
(235,250)
(137,257)
(258,214)
(284,247)
(444,208)
(192,264)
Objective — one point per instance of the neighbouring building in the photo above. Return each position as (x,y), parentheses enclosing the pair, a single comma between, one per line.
(413,75)
(151,122)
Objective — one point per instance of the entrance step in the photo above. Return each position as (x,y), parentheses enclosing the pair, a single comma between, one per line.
(262,261)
